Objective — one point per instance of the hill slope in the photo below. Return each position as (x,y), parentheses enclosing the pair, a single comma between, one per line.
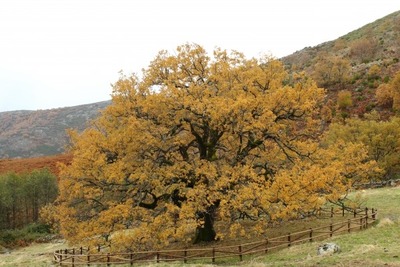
(40,133)
(358,62)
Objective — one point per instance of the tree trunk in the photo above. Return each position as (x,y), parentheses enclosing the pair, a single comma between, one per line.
(206,232)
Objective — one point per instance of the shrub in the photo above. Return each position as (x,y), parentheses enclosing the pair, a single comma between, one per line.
(24,236)
(384,96)
(344,100)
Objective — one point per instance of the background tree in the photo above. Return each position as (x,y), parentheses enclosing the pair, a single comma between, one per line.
(395,85)
(364,50)
(22,196)
(331,70)
(384,95)
(388,94)
(198,143)
(381,139)
(344,102)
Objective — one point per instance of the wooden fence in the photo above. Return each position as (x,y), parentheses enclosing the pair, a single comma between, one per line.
(361,219)
(376,184)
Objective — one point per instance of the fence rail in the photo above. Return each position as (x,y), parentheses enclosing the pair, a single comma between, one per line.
(82,256)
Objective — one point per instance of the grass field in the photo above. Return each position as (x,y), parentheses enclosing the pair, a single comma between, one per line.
(376,246)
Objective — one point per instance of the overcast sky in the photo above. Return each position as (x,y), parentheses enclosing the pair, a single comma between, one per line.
(57,53)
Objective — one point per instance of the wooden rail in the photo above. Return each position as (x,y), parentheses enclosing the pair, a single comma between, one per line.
(78,257)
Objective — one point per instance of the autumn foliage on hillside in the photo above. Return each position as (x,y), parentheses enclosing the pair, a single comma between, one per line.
(26,165)
(358,62)
(201,139)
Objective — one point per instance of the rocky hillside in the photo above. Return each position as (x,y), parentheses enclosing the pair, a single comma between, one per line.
(38,133)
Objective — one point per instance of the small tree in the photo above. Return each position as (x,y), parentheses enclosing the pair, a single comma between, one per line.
(364,49)
(395,89)
(381,139)
(384,95)
(344,100)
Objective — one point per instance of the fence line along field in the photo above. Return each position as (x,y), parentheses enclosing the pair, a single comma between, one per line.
(362,219)
(375,246)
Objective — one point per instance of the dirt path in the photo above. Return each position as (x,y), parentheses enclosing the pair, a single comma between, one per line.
(35,255)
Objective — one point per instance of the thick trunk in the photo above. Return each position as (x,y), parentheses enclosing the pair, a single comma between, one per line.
(206,232)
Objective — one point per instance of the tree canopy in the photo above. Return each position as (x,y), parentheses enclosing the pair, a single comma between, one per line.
(23,195)
(201,142)
(380,138)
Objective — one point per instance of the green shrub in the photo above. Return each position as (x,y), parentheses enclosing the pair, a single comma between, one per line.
(38,228)
(386,79)
(24,236)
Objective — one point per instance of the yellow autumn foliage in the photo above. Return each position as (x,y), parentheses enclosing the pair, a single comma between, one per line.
(200,140)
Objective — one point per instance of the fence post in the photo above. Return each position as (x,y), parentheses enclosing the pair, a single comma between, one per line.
(240,253)
(73,257)
(266,245)
(81,249)
(331,230)
(348,225)
(343,211)
(213,255)
(158,257)
(185,256)
(331,212)
(289,240)
(355,213)
(108,259)
(373,214)
(366,217)
(311,232)
(131,256)
(361,223)
(88,260)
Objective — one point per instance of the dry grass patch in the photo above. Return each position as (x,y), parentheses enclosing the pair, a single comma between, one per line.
(35,255)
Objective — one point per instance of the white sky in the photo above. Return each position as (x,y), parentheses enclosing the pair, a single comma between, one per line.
(57,53)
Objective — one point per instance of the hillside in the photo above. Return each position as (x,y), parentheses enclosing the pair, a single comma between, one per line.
(359,62)
(39,133)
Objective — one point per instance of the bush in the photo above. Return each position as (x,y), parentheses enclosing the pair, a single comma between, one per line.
(344,100)
(24,236)
(38,228)
(384,95)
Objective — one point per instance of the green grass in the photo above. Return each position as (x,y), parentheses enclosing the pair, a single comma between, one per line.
(376,246)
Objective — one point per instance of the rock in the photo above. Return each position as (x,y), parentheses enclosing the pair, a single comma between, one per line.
(4,250)
(328,249)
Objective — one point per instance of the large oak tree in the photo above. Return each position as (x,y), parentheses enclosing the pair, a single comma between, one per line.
(197,142)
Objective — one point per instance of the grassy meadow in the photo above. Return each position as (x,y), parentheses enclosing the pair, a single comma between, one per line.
(376,246)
